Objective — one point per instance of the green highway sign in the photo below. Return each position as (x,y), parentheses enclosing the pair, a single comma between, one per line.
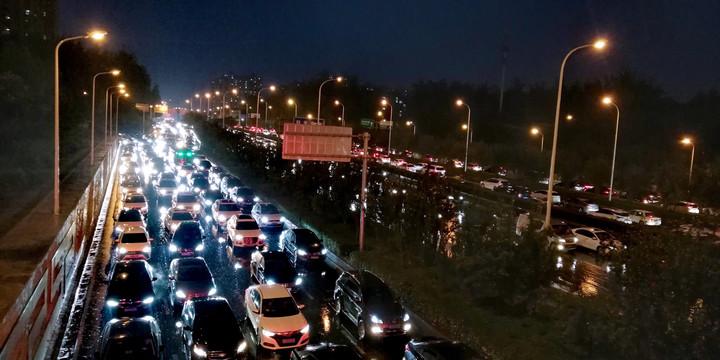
(367,123)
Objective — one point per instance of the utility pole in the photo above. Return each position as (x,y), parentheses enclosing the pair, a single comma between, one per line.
(365,137)
(505,49)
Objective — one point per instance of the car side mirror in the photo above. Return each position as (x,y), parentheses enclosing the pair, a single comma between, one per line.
(151,239)
(256,311)
(154,278)
(301,306)
(171,277)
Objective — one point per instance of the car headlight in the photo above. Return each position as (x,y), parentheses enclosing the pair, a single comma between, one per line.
(375,320)
(242,347)
(561,247)
(256,199)
(212,291)
(575,239)
(181,206)
(197,189)
(208,202)
(163,191)
(222,217)
(268,333)
(305,329)
(406,327)
(172,248)
(270,281)
(112,303)
(264,219)
(406,317)
(126,208)
(302,252)
(180,294)
(148,300)
(122,250)
(196,207)
(146,249)
(238,237)
(200,247)
(283,219)
(119,229)
(323,251)
(139,191)
(561,240)
(199,351)
(262,237)
(375,329)
(124,190)
(240,199)
(174,227)
(298,281)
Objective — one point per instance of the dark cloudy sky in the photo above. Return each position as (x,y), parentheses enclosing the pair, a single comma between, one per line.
(396,42)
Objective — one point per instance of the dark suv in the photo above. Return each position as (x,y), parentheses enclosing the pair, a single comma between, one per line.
(210,330)
(368,302)
(187,240)
(302,245)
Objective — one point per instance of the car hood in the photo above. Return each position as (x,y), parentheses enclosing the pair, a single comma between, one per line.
(134,246)
(386,311)
(249,233)
(195,287)
(127,224)
(283,324)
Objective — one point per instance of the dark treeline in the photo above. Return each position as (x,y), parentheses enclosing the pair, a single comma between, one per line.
(649,156)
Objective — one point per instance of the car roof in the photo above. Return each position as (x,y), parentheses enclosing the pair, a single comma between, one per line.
(185,193)
(189,261)
(366,278)
(225,201)
(268,254)
(244,217)
(272,291)
(134,230)
(591,229)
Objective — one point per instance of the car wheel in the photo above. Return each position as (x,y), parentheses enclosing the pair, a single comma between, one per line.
(361,330)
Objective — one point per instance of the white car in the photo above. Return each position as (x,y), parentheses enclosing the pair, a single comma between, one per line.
(130,185)
(435,169)
(397,162)
(166,187)
(134,243)
(187,201)
(275,317)
(415,167)
(244,232)
(267,215)
(597,240)
(222,210)
(644,217)
(494,184)
(613,214)
(542,195)
(135,201)
(684,207)
(126,219)
(174,217)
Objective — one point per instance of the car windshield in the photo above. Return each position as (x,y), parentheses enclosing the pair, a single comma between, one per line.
(269,209)
(201,182)
(167,183)
(603,236)
(128,216)
(182,216)
(131,183)
(228,207)
(185,198)
(246,225)
(378,295)
(194,273)
(279,307)
(281,269)
(135,199)
(561,229)
(621,213)
(126,347)
(133,238)
(187,235)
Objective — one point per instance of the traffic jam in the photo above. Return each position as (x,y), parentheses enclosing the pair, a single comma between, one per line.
(201,266)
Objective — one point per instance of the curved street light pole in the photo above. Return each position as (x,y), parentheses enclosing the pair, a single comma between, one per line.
(608,101)
(108,109)
(337,102)
(551,176)
(386,102)
(467,136)
(338,79)
(257,107)
(92,115)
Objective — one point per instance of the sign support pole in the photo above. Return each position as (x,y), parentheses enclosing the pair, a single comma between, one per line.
(365,136)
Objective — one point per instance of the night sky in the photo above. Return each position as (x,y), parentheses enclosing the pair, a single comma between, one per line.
(185,44)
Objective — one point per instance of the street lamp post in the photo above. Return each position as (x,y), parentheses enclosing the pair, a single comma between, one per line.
(536,131)
(121,91)
(207,95)
(293,102)
(337,102)
(465,128)
(234,91)
(108,109)
(257,106)
(384,102)
(688,141)
(92,116)
(608,101)
(197,96)
(411,123)
(96,35)
(551,176)
(246,108)
(467,136)
(117,110)
(338,79)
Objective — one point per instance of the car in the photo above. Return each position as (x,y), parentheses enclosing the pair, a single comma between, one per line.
(183,170)
(189,278)
(210,330)
(684,207)
(494,184)
(229,182)
(324,351)
(134,243)
(542,196)
(406,167)
(243,195)
(130,292)
(131,184)
(458,164)
(215,175)
(166,187)
(138,338)
(247,208)
(174,217)
(416,167)
(644,217)
(613,214)
(370,304)
(475,167)
(135,201)
(204,166)
(222,210)
(597,240)
(560,236)
(397,162)
(581,205)
(208,197)
(187,240)
(433,348)
(650,199)
(199,184)
(274,267)
(384,159)
(126,219)
(267,215)
(434,169)
(244,232)
(187,201)
(275,317)
(302,245)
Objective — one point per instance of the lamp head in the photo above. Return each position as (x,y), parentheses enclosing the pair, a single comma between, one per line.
(464,126)
(408,123)
(242,102)
(217,92)
(121,85)
(459,102)
(207,95)
(379,113)
(337,102)
(686,141)
(600,44)
(272,88)
(234,91)
(309,116)
(384,102)
(122,91)
(187,101)
(115,72)
(197,95)
(96,35)
(569,117)
(339,79)
(291,101)
(607,100)
(534,131)
(127,94)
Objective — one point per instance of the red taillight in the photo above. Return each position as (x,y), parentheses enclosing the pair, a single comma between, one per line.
(407,347)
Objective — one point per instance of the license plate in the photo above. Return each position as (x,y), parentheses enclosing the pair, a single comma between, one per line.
(314,257)
(130,309)
(288,341)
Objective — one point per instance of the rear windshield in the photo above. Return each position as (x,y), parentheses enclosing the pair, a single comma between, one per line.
(269,209)
(130,216)
(194,273)
(228,207)
(185,198)
(167,183)
(133,238)
(246,225)
(279,307)
(135,199)
(182,216)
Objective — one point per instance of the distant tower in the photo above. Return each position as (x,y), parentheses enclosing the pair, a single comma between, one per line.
(504,50)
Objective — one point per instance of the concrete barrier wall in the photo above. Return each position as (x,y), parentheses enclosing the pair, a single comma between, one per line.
(28,330)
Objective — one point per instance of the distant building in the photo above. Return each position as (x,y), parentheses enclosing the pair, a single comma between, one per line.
(28,19)
(247,85)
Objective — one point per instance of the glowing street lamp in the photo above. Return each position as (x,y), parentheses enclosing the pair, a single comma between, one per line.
(600,44)
(459,102)
(384,102)
(569,117)
(339,79)
(411,123)
(92,115)
(257,106)
(293,102)
(688,141)
(234,91)
(243,102)
(536,131)
(608,101)
(95,35)
(337,102)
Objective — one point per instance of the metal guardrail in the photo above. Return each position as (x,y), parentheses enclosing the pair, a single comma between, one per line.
(28,329)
